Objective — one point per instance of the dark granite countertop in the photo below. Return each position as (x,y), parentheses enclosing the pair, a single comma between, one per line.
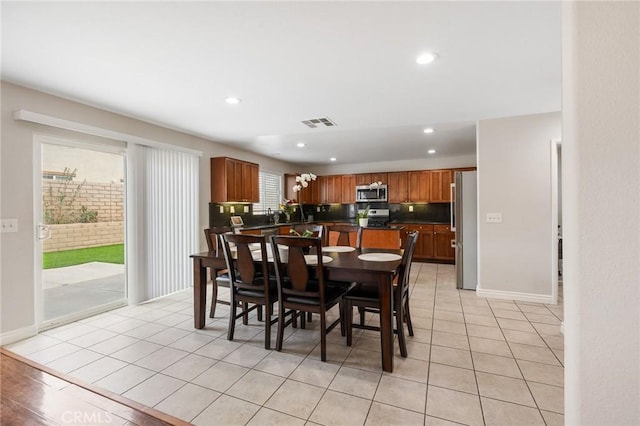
(417,222)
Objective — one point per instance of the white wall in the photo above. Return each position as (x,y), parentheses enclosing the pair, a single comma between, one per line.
(601,188)
(17,172)
(514,178)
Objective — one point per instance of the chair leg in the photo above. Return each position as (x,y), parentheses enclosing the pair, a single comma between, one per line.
(281,321)
(232,318)
(245,313)
(361,310)
(323,336)
(267,326)
(341,313)
(400,329)
(348,308)
(214,297)
(259,308)
(407,314)
(309,316)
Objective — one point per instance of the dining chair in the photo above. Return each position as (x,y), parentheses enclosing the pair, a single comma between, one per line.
(219,277)
(250,282)
(302,286)
(375,238)
(344,235)
(366,297)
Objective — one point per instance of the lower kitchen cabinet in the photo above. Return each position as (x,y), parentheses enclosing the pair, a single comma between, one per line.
(434,241)
(442,242)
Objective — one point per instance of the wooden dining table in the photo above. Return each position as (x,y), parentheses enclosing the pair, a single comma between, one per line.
(344,266)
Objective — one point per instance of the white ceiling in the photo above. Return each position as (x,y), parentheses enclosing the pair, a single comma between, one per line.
(173,63)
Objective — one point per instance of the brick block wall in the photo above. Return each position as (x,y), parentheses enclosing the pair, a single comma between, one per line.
(105,198)
(81,235)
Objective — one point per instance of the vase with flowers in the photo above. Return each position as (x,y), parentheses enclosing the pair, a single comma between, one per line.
(287,207)
(302,181)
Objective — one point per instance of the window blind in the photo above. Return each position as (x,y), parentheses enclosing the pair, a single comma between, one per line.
(171,207)
(270,188)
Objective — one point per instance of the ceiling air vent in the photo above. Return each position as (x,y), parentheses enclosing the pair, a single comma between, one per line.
(319,122)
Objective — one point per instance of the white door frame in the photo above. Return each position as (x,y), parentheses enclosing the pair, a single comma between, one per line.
(38,140)
(554,148)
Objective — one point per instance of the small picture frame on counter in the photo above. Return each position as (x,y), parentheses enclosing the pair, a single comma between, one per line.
(236,221)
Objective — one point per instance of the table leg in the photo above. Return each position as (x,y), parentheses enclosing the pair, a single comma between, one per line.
(385,285)
(199,293)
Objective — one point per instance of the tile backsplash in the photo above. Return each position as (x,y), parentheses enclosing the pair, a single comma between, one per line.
(220,214)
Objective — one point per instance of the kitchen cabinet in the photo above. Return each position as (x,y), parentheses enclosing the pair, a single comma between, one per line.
(330,189)
(419,186)
(367,178)
(398,187)
(308,195)
(442,246)
(234,181)
(348,189)
(434,241)
(441,181)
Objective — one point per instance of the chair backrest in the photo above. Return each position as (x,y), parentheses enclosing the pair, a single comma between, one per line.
(376,238)
(293,275)
(243,268)
(344,235)
(212,235)
(405,264)
(316,230)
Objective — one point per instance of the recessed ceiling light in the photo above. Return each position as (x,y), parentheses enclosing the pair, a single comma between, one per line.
(300,145)
(428,130)
(431,151)
(232,100)
(332,159)
(426,58)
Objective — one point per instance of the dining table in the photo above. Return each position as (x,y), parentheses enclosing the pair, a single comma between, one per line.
(366,265)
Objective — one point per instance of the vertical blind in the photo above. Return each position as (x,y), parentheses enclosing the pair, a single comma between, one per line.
(270,188)
(171,229)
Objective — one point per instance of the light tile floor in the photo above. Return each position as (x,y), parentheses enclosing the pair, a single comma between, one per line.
(472,361)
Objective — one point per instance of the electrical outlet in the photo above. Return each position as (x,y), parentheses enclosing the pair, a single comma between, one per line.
(410,209)
(232,209)
(318,208)
(9,225)
(246,209)
(221,209)
(494,217)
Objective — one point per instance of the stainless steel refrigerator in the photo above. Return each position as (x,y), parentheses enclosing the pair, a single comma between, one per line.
(464,222)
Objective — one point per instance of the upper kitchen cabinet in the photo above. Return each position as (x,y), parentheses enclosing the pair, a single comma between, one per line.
(367,178)
(330,189)
(420,186)
(348,189)
(234,181)
(398,187)
(441,181)
(308,195)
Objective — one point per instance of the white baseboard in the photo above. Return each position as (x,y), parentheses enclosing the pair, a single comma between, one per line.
(513,295)
(19,334)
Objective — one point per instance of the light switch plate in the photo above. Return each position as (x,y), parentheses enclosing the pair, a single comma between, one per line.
(494,217)
(232,209)
(9,225)
(410,209)
(246,209)
(221,209)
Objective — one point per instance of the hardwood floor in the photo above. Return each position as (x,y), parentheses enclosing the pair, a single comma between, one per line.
(31,395)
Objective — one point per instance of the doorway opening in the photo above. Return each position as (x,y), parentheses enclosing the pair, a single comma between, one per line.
(81,231)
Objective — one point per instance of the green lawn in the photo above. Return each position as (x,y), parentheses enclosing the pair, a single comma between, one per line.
(108,254)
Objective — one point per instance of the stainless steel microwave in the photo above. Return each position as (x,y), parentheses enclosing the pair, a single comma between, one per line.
(368,193)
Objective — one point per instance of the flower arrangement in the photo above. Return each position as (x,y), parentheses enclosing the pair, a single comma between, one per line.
(287,207)
(375,185)
(303,180)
